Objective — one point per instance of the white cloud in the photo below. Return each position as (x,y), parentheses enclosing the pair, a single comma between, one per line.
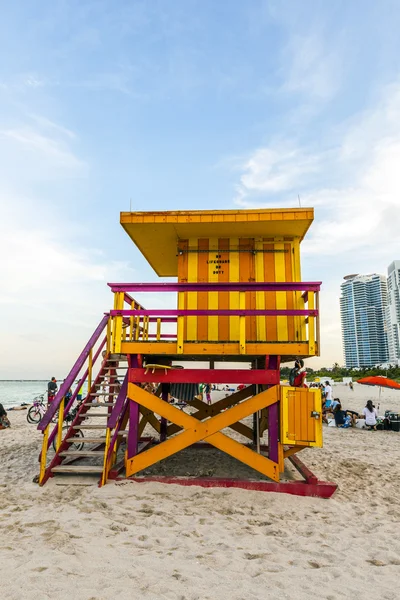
(52,289)
(357,217)
(50,148)
(310,68)
(278,168)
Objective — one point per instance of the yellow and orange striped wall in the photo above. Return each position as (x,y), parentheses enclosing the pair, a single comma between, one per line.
(240,260)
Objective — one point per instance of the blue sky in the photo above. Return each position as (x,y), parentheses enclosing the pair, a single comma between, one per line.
(185,104)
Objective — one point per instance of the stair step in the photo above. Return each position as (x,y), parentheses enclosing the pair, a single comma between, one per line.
(89,427)
(85,440)
(107,384)
(77,469)
(91,415)
(82,453)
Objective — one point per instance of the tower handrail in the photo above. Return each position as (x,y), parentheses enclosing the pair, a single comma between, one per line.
(220,286)
(65,386)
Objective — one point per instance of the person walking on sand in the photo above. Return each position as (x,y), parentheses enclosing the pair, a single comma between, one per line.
(52,389)
(370,413)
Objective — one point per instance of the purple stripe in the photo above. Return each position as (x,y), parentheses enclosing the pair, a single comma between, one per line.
(219,312)
(244,286)
(73,374)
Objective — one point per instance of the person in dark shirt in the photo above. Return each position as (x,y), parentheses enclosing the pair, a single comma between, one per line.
(339,415)
(52,388)
(4,422)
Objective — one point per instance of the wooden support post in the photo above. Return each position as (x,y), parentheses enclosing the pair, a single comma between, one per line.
(164,422)
(43,456)
(133,438)
(273,362)
(60,424)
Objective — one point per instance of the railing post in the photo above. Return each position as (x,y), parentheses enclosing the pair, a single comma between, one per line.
(158,336)
(60,423)
(108,342)
(90,369)
(43,457)
(118,305)
(242,324)
(105,462)
(180,325)
(318,333)
(131,322)
(311,325)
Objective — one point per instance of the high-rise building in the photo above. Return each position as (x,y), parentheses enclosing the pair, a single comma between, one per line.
(393,312)
(363,310)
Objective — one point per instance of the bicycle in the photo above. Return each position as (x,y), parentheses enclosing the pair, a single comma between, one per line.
(38,410)
(76,446)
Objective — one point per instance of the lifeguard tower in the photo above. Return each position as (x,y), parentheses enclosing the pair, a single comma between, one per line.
(238,298)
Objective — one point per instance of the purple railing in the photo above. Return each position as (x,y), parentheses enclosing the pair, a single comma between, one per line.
(73,375)
(191,312)
(242,286)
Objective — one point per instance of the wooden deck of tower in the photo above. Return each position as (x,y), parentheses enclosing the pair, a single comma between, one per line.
(238,297)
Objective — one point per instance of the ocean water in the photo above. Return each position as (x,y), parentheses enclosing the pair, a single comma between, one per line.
(14,393)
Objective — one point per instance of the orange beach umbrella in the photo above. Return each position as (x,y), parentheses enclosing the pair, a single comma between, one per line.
(380,381)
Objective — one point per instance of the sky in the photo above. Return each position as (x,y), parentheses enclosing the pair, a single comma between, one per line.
(186,104)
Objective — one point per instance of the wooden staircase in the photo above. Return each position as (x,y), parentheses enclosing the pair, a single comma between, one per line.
(91,420)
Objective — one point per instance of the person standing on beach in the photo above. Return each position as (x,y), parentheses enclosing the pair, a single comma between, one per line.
(328,394)
(52,389)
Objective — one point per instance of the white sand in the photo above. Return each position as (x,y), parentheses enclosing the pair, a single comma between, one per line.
(153,541)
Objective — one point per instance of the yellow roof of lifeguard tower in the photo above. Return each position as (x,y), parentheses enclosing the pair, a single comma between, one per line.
(156,233)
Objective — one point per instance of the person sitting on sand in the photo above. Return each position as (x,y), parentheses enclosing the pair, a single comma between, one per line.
(4,422)
(354,416)
(370,413)
(339,415)
(334,404)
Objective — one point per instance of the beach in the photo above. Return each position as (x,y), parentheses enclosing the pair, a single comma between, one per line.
(71,539)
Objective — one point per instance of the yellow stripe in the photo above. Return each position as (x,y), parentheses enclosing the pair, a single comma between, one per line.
(311,325)
(260,296)
(299,302)
(213,296)
(192,296)
(234,296)
(280,296)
